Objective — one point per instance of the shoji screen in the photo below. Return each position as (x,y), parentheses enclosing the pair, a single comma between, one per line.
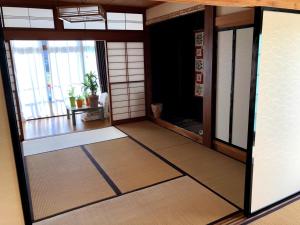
(234,60)
(127,79)
(224,81)
(242,78)
(276,153)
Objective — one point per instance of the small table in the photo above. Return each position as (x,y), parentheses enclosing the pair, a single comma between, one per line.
(73,110)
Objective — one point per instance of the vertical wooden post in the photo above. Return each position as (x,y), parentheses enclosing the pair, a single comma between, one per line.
(209,76)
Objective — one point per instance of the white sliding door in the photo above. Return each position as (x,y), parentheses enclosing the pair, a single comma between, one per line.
(242,78)
(234,61)
(276,153)
(224,75)
(127,79)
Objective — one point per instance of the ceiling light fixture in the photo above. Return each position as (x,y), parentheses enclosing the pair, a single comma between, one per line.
(81,13)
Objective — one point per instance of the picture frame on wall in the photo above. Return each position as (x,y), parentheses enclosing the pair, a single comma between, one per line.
(199,63)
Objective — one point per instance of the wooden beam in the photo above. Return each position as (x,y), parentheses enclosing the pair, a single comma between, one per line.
(209,75)
(235,19)
(47,34)
(286,4)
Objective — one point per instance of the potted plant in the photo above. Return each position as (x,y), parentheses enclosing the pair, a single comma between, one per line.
(72,97)
(90,84)
(79,101)
(86,96)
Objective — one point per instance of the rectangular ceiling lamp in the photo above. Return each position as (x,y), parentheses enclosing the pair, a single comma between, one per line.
(83,13)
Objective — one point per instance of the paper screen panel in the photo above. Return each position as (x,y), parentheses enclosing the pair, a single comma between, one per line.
(276,152)
(126,77)
(224,79)
(241,98)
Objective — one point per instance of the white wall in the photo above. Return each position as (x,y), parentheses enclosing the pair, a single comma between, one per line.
(10,203)
(276,171)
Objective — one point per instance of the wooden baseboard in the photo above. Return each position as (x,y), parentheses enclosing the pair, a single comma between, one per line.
(230,151)
(178,130)
(132,120)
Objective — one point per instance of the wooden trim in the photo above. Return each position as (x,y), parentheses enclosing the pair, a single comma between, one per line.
(179,130)
(131,120)
(46,34)
(230,151)
(209,75)
(176,14)
(17,95)
(235,19)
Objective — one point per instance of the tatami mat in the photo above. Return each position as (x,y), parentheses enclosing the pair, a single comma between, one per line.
(152,135)
(220,173)
(178,202)
(129,165)
(288,215)
(62,180)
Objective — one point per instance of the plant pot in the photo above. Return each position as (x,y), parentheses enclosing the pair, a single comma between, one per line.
(79,103)
(156,110)
(93,99)
(87,101)
(72,102)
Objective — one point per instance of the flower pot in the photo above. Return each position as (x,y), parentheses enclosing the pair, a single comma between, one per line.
(87,101)
(156,110)
(93,99)
(79,103)
(72,102)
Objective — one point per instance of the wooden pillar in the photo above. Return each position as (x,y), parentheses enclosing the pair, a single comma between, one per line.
(209,76)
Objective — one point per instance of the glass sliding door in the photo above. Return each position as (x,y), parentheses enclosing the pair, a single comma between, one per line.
(46,70)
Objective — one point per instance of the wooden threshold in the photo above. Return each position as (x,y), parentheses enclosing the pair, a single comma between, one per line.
(235,19)
(178,130)
(230,151)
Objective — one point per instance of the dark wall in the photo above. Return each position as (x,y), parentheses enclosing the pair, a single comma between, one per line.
(173,66)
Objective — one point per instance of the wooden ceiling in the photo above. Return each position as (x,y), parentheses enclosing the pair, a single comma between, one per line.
(287,4)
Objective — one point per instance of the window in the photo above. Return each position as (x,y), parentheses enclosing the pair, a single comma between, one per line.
(124,21)
(28,17)
(96,25)
(46,70)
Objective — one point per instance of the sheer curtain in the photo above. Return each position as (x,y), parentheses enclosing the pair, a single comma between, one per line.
(31,79)
(55,68)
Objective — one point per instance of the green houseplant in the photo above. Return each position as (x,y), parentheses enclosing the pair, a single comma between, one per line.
(72,97)
(79,101)
(90,85)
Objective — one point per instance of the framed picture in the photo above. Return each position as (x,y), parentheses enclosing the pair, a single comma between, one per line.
(199,36)
(199,90)
(199,77)
(199,65)
(199,53)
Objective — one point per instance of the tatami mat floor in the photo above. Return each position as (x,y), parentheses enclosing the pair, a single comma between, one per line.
(122,181)
(220,173)
(178,202)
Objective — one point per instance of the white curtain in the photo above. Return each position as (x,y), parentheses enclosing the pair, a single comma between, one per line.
(53,67)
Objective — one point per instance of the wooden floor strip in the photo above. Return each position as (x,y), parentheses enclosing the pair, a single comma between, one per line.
(220,173)
(62,180)
(178,202)
(128,165)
